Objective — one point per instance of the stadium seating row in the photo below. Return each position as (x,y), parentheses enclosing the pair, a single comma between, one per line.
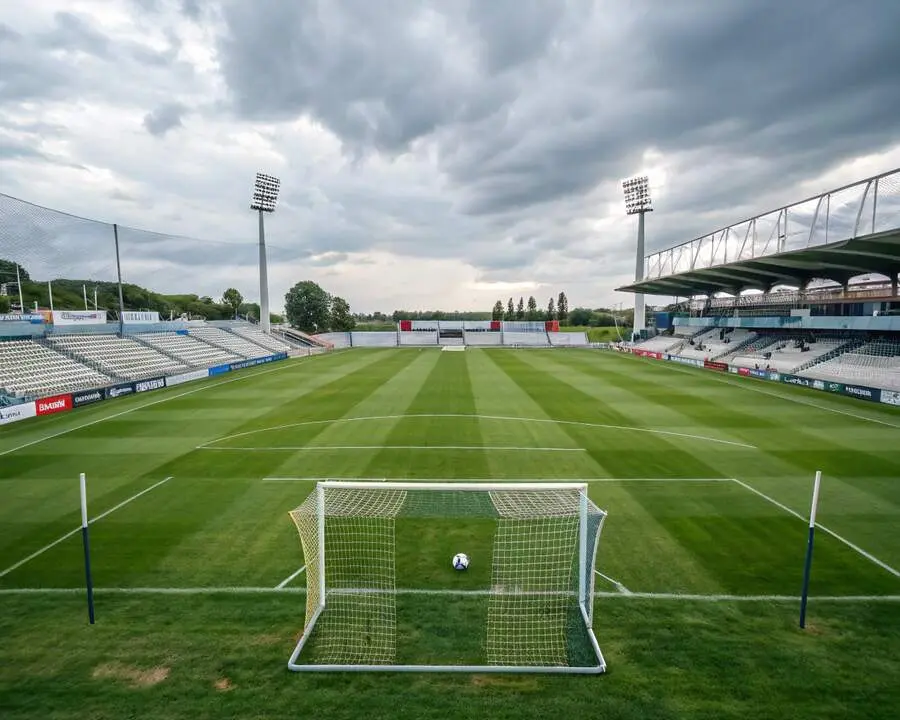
(64,363)
(876,364)
(29,368)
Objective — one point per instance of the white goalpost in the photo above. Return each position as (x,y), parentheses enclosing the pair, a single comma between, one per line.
(525,604)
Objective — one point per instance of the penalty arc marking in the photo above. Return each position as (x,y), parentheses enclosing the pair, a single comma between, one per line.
(501,418)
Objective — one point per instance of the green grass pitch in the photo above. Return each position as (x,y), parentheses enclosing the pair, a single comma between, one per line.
(706,479)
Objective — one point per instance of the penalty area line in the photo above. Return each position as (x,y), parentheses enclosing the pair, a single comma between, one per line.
(549,481)
(288,579)
(78,529)
(868,556)
(305,448)
(252,590)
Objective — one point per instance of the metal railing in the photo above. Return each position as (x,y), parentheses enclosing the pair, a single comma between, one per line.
(862,208)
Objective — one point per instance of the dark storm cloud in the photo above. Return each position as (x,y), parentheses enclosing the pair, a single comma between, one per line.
(164,118)
(531,102)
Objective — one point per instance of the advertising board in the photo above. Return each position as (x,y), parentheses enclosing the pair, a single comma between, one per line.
(140,317)
(14,413)
(86,397)
(186,377)
(888,397)
(119,390)
(53,404)
(151,384)
(79,317)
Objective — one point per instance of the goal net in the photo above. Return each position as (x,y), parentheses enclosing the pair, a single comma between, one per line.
(381,592)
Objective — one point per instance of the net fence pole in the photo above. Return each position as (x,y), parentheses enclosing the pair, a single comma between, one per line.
(50,294)
(809,548)
(89,585)
(119,277)
(19,285)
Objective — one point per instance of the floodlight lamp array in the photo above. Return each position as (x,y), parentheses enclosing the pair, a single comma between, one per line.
(637,195)
(265,193)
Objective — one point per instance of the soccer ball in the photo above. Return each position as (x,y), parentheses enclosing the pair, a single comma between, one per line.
(460,561)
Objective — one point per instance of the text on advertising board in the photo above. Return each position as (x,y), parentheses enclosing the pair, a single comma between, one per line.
(55,404)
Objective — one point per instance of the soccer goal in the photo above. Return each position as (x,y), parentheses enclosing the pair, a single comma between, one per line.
(382,593)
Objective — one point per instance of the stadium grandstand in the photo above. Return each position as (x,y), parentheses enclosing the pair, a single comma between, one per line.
(806,294)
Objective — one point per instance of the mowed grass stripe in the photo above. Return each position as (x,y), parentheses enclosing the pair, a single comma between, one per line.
(496,394)
(116,476)
(861,497)
(622,453)
(446,390)
(391,397)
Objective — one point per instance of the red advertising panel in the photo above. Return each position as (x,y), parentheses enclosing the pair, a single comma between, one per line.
(744,371)
(495,325)
(55,404)
(710,365)
(551,325)
(648,354)
(406,326)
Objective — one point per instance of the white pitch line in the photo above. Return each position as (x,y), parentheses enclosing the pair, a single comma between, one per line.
(251,590)
(619,586)
(290,577)
(800,401)
(91,521)
(287,366)
(481,417)
(501,480)
(852,546)
(304,448)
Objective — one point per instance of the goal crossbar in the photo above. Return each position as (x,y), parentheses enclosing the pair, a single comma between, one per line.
(532,511)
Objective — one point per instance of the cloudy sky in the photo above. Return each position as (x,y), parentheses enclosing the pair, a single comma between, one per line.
(433,153)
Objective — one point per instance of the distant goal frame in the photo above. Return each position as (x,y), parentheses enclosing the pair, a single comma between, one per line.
(588,536)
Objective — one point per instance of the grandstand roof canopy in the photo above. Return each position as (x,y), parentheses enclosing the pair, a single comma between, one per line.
(839,261)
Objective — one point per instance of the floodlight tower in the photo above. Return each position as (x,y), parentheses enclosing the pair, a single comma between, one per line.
(265,195)
(637,202)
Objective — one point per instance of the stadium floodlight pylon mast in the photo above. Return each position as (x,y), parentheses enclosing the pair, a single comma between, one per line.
(638,202)
(265,197)
(535,616)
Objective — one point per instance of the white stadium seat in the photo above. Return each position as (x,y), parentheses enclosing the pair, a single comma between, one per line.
(229,341)
(875,364)
(28,369)
(189,350)
(120,357)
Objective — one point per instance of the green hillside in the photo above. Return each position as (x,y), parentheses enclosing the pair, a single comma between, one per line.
(69,295)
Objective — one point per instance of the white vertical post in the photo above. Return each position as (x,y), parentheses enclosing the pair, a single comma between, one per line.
(50,293)
(809,548)
(89,585)
(263,278)
(582,549)
(19,285)
(320,489)
(84,293)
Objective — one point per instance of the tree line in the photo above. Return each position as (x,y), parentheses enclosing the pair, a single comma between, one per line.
(68,294)
(310,308)
(556,310)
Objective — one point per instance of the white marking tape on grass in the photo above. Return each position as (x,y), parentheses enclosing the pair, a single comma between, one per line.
(288,579)
(852,546)
(619,586)
(304,448)
(249,590)
(501,480)
(481,417)
(73,532)
(209,386)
